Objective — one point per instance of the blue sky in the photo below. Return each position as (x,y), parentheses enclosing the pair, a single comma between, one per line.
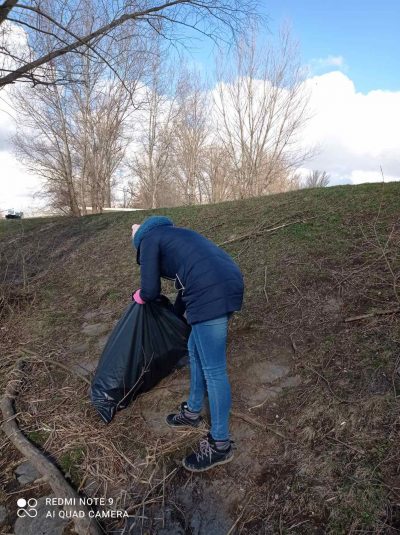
(366,33)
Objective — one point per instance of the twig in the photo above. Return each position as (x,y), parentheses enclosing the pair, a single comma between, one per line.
(122,455)
(36,358)
(257,232)
(294,346)
(371,314)
(260,404)
(347,445)
(325,380)
(395,372)
(265,284)
(254,422)
(208,229)
(238,518)
(365,266)
(384,248)
(143,502)
(298,524)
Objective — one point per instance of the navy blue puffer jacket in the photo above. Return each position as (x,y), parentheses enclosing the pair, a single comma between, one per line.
(211,283)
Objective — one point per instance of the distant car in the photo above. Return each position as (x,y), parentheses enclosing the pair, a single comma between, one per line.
(12,214)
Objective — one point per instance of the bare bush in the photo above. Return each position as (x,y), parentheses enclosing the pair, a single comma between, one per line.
(317,179)
(217,174)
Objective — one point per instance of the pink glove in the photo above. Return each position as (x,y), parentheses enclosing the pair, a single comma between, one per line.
(136,297)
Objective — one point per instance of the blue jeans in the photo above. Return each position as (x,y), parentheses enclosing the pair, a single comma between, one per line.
(207,357)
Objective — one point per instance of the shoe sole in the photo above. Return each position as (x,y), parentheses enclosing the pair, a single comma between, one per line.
(218,463)
(201,425)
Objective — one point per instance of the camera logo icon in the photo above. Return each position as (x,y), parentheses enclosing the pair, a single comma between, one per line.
(27,507)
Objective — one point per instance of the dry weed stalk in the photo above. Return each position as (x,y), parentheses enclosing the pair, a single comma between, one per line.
(157,451)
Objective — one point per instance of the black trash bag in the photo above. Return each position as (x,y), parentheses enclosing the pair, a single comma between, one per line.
(145,346)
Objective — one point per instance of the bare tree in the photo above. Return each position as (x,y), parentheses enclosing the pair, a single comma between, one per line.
(317,179)
(73,136)
(102,111)
(250,149)
(191,130)
(151,164)
(261,106)
(46,145)
(210,17)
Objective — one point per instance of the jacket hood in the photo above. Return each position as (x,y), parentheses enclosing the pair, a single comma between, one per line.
(149,224)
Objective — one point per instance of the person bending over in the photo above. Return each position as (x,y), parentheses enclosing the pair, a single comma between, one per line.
(210,288)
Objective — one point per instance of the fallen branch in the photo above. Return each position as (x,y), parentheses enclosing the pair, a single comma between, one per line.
(372,314)
(50,473)
(258,232)
(254,422)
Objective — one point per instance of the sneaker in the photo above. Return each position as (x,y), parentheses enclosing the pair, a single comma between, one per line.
(207,456)
(180,420)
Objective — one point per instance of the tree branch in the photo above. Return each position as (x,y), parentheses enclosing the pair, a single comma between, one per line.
(6,8)
(21,71)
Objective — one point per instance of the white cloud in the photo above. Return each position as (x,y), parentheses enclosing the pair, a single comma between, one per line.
(7,124)
(357,133)
(360,177)
(17,187)
(13,38)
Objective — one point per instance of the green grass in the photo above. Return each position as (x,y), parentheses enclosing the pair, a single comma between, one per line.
(38,437)
(70,463)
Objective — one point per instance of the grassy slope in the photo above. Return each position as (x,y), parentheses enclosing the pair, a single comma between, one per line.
(337,469)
